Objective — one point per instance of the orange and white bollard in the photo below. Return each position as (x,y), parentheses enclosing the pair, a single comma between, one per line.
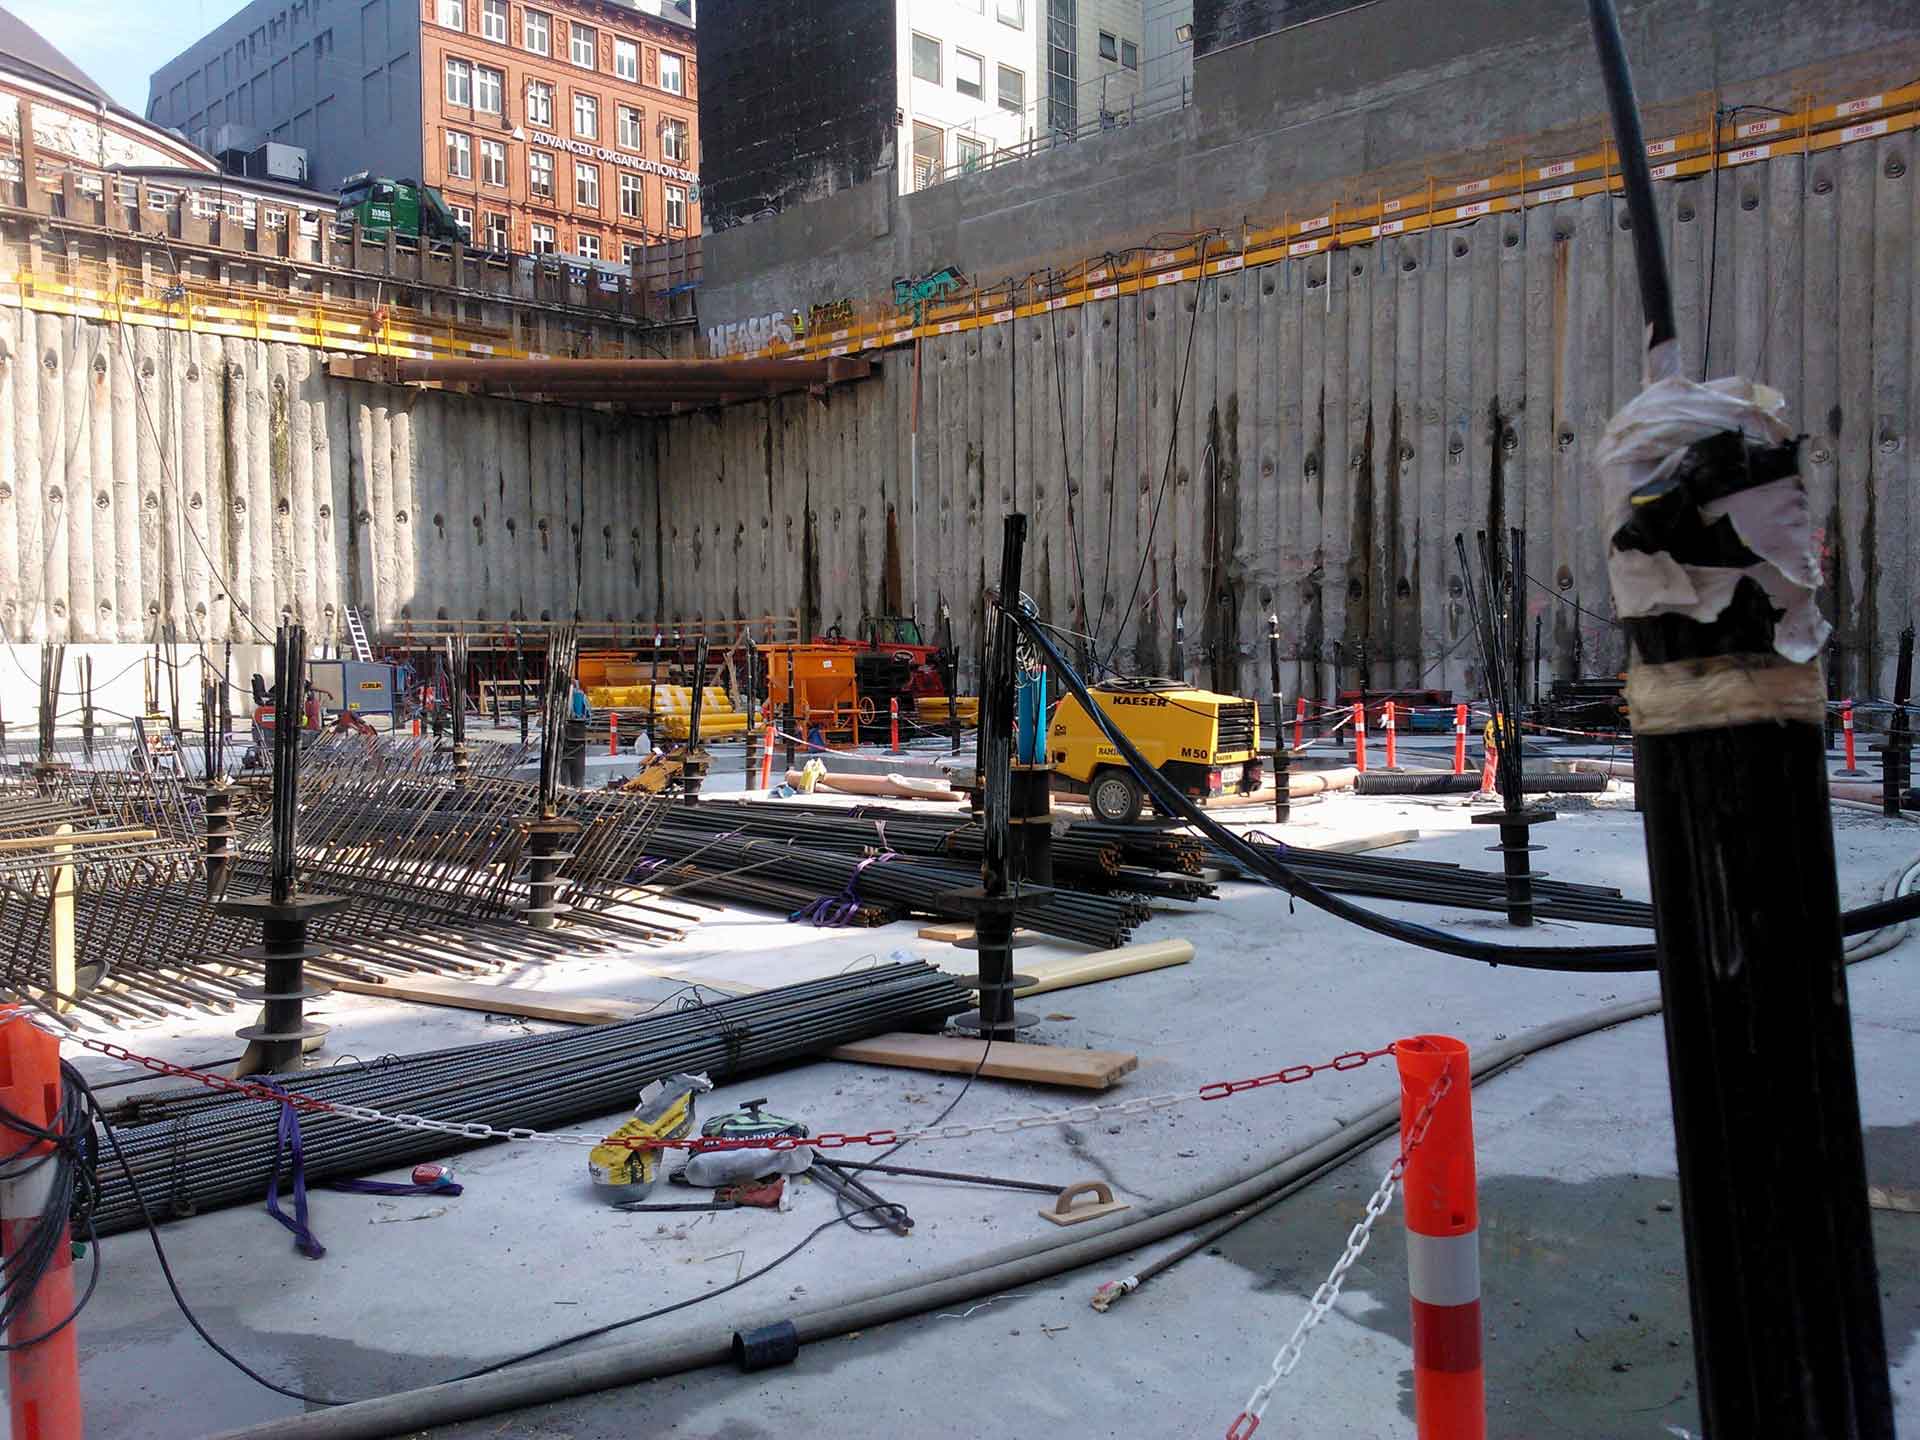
(43,1380)
(1360,736)
(1439,1196)
(1393,743)
(1300,723)
(893,723)
(1459,739)
(613,732)
(1846,734)
(766,749)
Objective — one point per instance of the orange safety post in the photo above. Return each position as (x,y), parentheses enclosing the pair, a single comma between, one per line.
(766,749)
(1393,746)
(1459,739)
(1300,723)
(1360,736)
(43,1380)
(613,732)
(1846,731)
(893,721)
(1439,1196)
(416,725)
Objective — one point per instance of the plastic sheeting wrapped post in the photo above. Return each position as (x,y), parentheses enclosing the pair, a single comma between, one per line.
(1715,574)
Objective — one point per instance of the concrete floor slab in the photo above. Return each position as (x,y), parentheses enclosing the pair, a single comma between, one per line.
(1576,1151)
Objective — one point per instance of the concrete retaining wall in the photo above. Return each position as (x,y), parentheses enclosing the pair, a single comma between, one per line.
(1374,97)
(148,476)
(1336,431)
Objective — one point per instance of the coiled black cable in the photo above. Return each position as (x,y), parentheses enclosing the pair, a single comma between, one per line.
(1269,865)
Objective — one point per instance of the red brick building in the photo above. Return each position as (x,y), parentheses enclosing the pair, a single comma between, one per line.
(566,125)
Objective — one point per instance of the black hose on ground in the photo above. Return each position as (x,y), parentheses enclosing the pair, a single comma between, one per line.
(636,1361)
(1267,864)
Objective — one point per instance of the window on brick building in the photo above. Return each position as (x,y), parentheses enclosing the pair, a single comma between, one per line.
(673,140)
(540,174)
(540,103)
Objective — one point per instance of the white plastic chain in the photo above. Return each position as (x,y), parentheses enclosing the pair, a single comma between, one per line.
(1288,1356)
(1005,1125)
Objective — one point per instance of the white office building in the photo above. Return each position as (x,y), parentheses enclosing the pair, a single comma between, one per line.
(966,72)
(978,78)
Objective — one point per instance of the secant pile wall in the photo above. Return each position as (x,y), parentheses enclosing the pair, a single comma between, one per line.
(149,476)
(1340,419)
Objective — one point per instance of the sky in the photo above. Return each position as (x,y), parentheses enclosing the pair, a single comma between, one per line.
(121,42)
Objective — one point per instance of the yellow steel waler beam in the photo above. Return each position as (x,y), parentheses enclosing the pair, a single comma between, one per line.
(1689,153)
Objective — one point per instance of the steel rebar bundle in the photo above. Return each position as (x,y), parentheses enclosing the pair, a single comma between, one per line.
(198,1149)
(432,872)
(1143,861)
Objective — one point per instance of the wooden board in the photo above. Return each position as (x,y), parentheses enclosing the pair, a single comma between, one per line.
(954,934)
(1063,972)
(1008,1059)
(512,1000)
(946,934)
(1071,970)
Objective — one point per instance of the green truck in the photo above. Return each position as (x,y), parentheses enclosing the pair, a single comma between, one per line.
(404,206)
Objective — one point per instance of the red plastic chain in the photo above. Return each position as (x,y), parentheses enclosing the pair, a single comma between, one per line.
(1292,1075)
(830,1140)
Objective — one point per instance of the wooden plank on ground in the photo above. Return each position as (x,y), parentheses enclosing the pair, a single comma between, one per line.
(1063,972)
(954,934)
(1008,1059)
(532,1004)
(1071,970)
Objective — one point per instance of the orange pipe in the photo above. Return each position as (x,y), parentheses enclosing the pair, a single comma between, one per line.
(1440,1198)
(43,1380)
